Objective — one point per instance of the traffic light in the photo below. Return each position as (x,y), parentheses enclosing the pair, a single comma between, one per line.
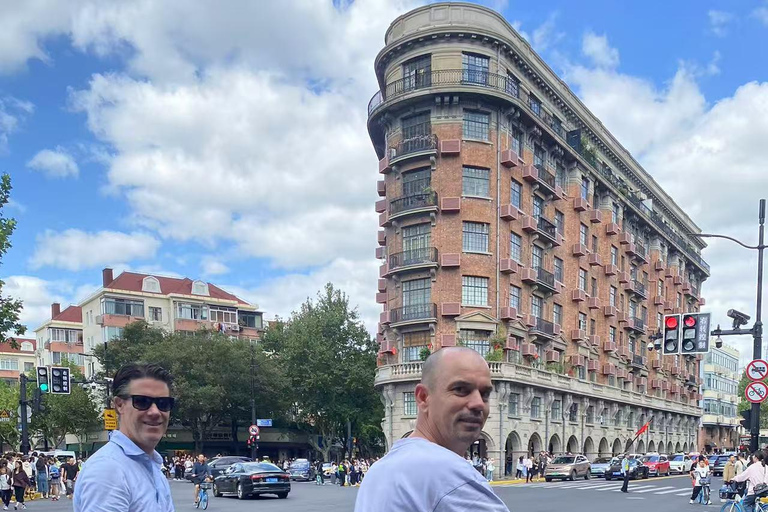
(38,405)
(42,379)
(746,423)
(671,340)
(695,339)
(59,380)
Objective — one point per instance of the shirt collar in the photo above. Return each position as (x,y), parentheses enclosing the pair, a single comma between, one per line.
(130,448)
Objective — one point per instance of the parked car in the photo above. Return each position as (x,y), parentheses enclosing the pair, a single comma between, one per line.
(251,479)
(329,468)
(301,469)
(717,463)
(637,470)
(680,463)
(219,464)
(600,465)
(567,466)
(657,464)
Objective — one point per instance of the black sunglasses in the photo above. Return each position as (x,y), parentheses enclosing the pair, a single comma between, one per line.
(143,402)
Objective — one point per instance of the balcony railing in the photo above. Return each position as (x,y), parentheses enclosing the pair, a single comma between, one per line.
(420,256)
(545,278)
(425,142)
(413,312)
(547,228)
(545,176)
(412,202)
(638,360)
(638,324)
(544,327)
(638,287)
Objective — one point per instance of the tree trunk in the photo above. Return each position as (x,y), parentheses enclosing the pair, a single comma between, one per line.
(235,442)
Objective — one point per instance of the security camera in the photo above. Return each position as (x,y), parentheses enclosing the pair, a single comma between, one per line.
(651,346)
(739,318)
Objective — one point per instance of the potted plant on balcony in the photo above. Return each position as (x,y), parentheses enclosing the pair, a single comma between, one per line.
(425,352)
(555,368)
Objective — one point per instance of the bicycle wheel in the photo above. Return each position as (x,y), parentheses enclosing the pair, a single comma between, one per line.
(203,500)
(731,506)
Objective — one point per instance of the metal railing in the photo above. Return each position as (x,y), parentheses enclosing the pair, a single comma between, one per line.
(547,227)
(413,312)
(415,144)
(412,202)
(420,256)
(544,277)
(544,327)
(638,360)
(638,287)
(546,176)
(638,323)
(640,250)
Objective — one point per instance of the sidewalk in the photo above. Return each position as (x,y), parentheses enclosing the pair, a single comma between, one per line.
(508,481)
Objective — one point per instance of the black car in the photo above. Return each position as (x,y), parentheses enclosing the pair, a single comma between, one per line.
(717,463)
(219,464)
(636,470)
(251,479)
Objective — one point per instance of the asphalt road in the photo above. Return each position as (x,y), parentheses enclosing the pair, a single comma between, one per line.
(655,494)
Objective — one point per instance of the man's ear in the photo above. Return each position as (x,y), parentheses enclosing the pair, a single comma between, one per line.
(421,395)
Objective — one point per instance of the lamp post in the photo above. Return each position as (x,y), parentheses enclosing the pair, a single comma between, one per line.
(740,319)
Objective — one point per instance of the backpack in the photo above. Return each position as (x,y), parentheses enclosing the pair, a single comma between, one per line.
(55,472)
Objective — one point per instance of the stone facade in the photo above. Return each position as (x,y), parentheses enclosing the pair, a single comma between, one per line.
(514,223)
(720,384)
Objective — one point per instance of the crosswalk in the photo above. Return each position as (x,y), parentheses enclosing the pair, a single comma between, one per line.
(665,487)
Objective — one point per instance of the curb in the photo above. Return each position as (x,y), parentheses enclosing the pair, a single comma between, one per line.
(522,481)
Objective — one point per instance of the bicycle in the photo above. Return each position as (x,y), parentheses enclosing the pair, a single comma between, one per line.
(202,495)
(734,505)
(705,490)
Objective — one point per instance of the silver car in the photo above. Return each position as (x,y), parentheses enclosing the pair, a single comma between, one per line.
(568,467)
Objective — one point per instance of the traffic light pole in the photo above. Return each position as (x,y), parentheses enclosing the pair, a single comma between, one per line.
(25,446)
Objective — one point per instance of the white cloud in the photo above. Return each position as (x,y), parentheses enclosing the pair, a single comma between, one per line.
(74,249)
(713,68)
(211,266)
(13,111)
(37,296)
(719,21)
(599,51)
(57,163)
(761,13)
(546,35)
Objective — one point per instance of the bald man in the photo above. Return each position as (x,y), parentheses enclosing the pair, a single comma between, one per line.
(427,471)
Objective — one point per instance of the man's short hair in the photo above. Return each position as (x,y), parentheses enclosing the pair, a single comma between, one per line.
(134,371)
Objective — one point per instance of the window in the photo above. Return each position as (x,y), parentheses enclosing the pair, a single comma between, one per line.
(416,182)
(584,234)
(513,85)
(679,300)
(582,372)
(560,175)
(538,207)
(612,381)
(475,237)
(514,404)
(64,335)
(476,125)
(223,315)
(409,403)
(583,321)
(582,279)
(417,294)
(11,364)
(536,307)
(150,284)
(584,188)
(612,335)
(590,416)
(612,296)
(594,287)
(537,257)
(199,288)
(516,195)
(28,366)
(111,333)
(476,340)
(660,288)
(475,68)
(189,311)
(558,264)
(417,132)
(155,314)
(632,345)
(61,357)
(112,306)
(250,319)
(474,291)
(560,222)
(475,181)
(514,297)
(574,412)
(615,213)
(515,247)
(538,155)
(592,327)
(535,104)
(417,72)
(417,237)
(536,407)
(594,244)
(557,314)
(515,141)
(557,409)
(413,343)
(614,256)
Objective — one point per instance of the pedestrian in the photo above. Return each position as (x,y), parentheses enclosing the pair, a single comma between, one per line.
(741,463)
(699,474)
(529,469)
(334,472)
(319,477)
(625,472)
(5,486)
(520,468)
(124,475)
(754,475)
(452,400)
(489,467)
(542,464)
(342,474)
(69,472)
(42,476)
(508,466)
(20,482)
(729,470)
(55,478)
(201,472)
(525,467)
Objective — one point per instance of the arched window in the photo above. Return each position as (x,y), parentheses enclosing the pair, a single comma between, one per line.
(150,284)
(199,288)
(26,347)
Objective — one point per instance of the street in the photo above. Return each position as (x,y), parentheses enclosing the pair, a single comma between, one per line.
(657,494)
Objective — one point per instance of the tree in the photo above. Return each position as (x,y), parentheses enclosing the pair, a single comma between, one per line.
(745,404)
(9,400)
(10,309)
(329,362)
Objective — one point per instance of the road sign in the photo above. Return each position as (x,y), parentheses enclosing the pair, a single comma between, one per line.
(757,369)
(110,419)
(29,413)
(264,423)
(5,416)
(253,430)
(756,392)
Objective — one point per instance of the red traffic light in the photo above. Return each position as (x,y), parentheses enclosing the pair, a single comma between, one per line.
(690,321)
(671,322)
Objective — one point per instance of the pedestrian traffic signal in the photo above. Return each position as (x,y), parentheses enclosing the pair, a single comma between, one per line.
(42,379)
(671,339)
(695,333)
(60,380)
(746,423)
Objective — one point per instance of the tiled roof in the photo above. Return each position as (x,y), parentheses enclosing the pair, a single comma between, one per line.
(131,281)
(6,347)
(71,314)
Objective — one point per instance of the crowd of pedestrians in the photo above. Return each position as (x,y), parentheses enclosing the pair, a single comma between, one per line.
(24,477)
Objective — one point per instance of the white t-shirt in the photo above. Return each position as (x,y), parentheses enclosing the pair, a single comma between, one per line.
(699,473)
(420,476)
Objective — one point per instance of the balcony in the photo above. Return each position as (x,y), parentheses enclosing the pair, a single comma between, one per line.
(639,253)
(539,278)
(594,260)
(413,204)
(638,361)
(635,324)
(547,231)
(381,188)
(114,320)
(420,145)
(415,259)
(413,314)
(637,288)
(544,329)
(541,179)
(382,237)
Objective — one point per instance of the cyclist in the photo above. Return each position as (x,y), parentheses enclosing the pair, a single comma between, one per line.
(754,475)
(200,473)
(700,477)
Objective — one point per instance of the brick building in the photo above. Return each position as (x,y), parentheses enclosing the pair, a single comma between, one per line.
(511,217)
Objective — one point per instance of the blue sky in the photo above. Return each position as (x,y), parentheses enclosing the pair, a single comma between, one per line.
(184,140)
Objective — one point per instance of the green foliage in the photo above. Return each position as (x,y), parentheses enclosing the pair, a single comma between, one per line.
(10,309)
(424,353)
(9,400)
(555,368)
(329,360)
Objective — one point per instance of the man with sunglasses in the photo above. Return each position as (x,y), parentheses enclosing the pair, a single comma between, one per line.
(125,475)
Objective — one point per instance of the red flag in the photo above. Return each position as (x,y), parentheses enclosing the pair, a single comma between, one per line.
(642,429)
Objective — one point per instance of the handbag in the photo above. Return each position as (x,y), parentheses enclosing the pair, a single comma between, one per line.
(761,489)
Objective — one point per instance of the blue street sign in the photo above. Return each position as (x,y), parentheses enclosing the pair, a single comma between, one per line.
(264,423)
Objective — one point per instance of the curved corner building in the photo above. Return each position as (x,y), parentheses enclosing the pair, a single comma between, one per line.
(511,218)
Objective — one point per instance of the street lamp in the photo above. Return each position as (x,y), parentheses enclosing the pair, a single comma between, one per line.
(740,318)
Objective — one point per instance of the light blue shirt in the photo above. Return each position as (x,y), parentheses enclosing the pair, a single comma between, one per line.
(121,477)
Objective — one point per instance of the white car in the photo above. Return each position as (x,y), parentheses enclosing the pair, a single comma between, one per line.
(680,463)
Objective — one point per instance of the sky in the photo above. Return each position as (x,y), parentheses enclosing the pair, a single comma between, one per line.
(226,140)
